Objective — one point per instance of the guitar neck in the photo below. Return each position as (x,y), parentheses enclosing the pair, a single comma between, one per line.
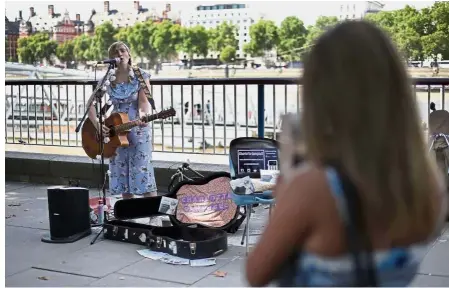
(132,124)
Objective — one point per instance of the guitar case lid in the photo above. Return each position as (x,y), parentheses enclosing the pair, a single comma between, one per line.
(206,202)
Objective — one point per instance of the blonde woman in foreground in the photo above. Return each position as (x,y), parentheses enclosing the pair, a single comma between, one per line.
(358,113)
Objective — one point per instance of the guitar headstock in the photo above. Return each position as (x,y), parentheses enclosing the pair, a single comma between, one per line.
(166,113)
(161,115)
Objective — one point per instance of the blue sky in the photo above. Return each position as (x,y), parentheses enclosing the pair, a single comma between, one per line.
(308,11)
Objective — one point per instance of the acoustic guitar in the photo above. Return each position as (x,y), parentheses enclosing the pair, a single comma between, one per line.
(119,126)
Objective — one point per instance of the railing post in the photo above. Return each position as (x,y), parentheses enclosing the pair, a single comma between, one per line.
(260,110)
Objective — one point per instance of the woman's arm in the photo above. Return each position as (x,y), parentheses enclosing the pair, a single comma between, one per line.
(288,228)
(92,114)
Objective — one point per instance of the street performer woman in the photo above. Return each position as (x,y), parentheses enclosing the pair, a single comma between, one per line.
(131,170)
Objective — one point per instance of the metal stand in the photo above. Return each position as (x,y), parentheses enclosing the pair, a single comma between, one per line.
(99,107)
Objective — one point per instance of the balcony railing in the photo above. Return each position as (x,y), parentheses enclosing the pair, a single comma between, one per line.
(210,112)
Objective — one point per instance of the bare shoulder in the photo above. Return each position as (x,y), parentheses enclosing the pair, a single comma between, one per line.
(305,185)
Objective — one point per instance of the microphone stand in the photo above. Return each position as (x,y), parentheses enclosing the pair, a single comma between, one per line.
(100,113)
(99,108)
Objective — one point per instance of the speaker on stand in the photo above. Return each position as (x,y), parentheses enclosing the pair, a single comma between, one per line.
(69,214)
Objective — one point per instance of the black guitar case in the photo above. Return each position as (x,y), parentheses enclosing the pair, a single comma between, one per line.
(188,243)
(151,206)
(181,239)
(184,242)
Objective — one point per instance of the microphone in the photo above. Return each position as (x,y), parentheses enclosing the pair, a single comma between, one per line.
(110,61)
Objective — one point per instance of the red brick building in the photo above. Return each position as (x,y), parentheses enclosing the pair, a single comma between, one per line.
(65,29)
(11,37)
(60,27)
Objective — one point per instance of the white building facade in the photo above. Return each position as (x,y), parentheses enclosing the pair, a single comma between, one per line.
(210,16)
(358,10)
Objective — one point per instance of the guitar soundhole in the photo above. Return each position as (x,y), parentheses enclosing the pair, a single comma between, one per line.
(111,134)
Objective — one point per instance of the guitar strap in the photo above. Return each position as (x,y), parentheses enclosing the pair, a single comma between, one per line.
(143,85)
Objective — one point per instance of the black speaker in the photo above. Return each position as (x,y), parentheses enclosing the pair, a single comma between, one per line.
(69,214)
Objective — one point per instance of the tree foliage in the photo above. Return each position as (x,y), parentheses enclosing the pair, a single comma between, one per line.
(35,48)
(264,37)
(292,37)
(82,48)
(103,38)
(418,34)
(228,54)
(194,41)
(322,24)
(64,51)
(166,40)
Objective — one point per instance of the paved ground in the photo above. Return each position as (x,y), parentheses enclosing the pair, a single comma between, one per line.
(30,262)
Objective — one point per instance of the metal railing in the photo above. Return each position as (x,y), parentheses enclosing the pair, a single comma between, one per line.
(210,112)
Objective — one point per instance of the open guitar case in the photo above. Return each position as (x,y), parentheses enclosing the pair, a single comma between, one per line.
(188,237)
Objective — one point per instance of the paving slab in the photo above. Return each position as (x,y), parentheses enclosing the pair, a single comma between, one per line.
(235,276)
(182,274)
(24,248)
(96,260)
(11,186)
(430,281)
(436,262)
(121,280)
(42,278)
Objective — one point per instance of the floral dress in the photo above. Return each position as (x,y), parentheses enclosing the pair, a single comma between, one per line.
(131,170)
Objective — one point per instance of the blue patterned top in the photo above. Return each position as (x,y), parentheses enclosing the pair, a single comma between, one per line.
(395,267)
(123,92)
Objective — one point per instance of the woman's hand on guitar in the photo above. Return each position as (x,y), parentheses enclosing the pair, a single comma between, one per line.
(141,123)
(105,130)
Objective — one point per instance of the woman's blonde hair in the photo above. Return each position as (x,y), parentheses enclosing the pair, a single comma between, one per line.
(359,110)
(112,50)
